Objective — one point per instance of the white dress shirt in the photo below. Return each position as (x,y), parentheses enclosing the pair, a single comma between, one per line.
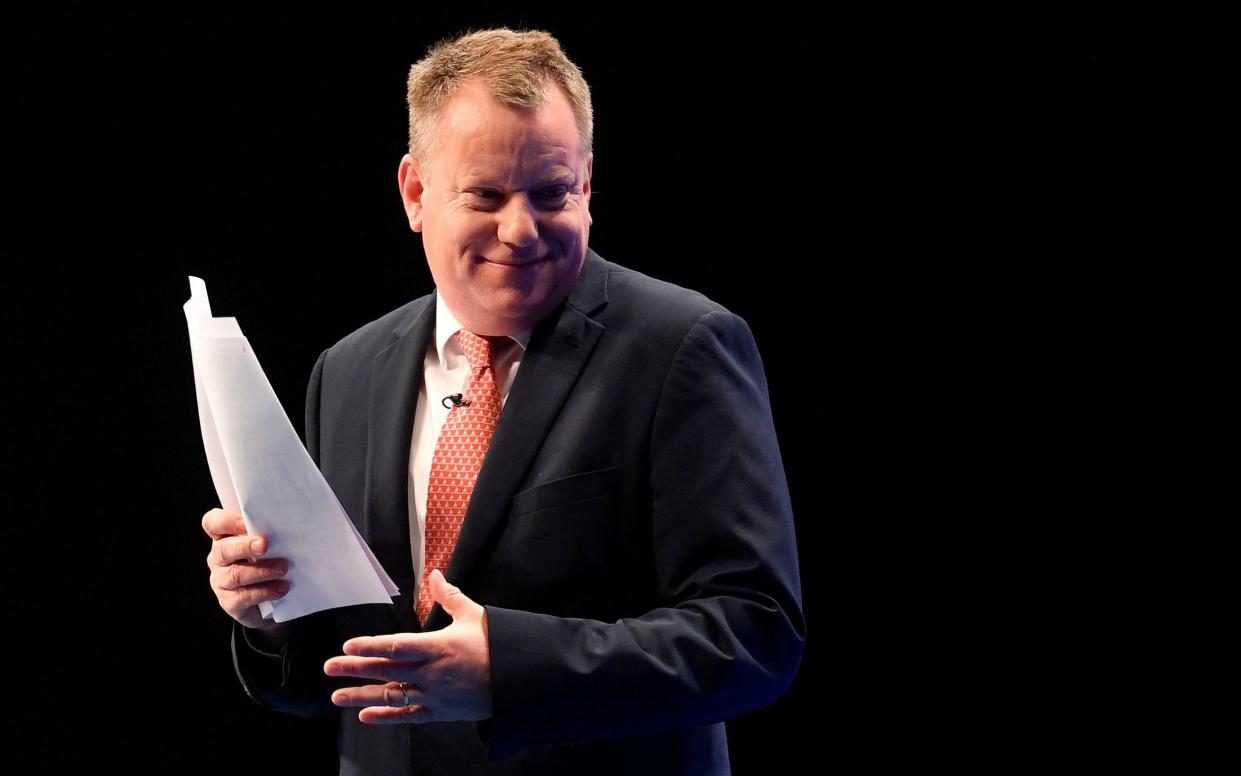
(444,372)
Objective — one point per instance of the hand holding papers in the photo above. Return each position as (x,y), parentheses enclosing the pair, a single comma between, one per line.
(262,470)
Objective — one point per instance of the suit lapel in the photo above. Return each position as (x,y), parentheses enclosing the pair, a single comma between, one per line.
(396,376)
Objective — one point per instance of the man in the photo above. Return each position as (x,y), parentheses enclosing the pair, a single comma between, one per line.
(585,452)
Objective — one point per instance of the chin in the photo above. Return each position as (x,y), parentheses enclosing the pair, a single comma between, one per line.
(523,313)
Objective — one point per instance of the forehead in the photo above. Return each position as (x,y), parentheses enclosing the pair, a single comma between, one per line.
(481,137)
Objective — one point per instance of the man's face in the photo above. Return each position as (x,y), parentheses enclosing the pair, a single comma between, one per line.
(503,208)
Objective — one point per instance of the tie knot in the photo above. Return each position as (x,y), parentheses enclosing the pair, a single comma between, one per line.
(477,348)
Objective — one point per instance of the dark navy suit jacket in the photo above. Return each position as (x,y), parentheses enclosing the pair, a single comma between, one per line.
(630,536)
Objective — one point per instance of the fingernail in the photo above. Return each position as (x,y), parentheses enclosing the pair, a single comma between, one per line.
(256,545)
(280,570)
(282,587)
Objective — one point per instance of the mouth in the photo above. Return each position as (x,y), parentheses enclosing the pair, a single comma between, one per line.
(515,264)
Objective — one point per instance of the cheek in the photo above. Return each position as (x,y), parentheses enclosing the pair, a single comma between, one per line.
(571,228)
(454,243)
(470,236)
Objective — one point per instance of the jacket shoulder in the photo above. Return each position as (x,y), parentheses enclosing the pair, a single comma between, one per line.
(653,308)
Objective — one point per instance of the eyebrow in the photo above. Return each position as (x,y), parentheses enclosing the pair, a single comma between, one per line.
(562,175)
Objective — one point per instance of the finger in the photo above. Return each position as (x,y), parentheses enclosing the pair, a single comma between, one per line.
(396,646)
(242,605)
(390,695)
(371,668)
(450,597)
(239,575)
(407,715)
(236,549)
(236,602)
(252,617)
(219,523)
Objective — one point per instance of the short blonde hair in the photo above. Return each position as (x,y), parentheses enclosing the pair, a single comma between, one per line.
(516,67)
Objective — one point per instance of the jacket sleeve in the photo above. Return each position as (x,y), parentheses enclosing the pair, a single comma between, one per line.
(292,679)
(728,633)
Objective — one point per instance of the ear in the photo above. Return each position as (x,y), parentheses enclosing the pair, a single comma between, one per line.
(411,184)
(590,168)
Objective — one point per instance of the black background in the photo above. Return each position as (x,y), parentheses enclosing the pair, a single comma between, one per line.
(875,191)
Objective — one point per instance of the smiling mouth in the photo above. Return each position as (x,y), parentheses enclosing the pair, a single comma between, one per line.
(515,263)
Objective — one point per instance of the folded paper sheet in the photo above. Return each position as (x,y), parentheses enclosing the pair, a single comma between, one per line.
(261,469)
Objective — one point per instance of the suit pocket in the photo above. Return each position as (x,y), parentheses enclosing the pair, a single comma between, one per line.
(567,490)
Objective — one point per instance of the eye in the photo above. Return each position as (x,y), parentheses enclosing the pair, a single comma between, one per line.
(549,196)
(552,194)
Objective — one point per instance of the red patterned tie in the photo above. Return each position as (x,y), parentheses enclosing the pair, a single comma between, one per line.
(463,442)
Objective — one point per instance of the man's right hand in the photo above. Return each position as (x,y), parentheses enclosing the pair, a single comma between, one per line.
(240,576)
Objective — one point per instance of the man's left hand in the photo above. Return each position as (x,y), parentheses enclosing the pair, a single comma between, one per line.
(447,673)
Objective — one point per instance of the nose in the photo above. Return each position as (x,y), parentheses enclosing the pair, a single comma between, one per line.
(517,225)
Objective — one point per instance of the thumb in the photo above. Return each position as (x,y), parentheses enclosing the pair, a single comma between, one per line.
(448,596)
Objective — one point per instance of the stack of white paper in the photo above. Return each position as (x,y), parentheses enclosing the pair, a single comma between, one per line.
(262,470)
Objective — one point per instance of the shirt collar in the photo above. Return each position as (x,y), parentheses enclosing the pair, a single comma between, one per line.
(446,325)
